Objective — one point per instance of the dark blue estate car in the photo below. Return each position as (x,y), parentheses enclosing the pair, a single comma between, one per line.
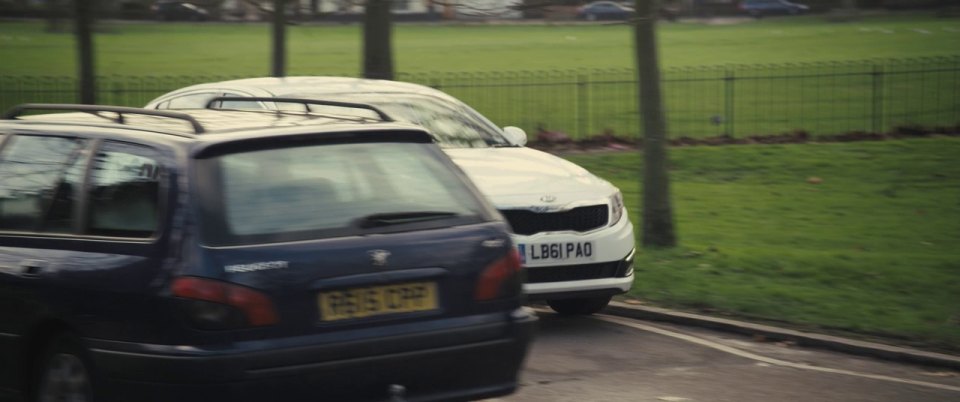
(247,256)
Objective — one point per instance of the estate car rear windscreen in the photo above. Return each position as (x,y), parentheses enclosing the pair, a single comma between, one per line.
(329,190)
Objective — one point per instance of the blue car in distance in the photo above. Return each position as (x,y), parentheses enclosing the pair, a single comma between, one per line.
(761,8)
(604,10)
(211,255)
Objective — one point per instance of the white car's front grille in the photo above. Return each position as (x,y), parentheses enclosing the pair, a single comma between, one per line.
(581,219)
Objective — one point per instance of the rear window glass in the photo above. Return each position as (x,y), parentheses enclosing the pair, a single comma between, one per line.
(335,189)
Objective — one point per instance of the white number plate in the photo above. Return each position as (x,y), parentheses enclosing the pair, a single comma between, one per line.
(546,253)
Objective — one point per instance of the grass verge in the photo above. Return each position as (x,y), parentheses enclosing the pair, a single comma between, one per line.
(858,237)
(236,49)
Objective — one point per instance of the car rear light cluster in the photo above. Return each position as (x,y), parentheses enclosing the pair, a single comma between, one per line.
(212,304)
(500,277)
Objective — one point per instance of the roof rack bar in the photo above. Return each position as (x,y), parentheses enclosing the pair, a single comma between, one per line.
(21,109)
(305,102)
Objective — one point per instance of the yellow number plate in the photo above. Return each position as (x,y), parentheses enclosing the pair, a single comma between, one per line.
(377,300)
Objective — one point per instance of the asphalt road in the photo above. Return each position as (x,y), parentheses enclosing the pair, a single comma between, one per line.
(606,358)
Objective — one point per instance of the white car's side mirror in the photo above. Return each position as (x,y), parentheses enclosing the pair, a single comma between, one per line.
(515,135)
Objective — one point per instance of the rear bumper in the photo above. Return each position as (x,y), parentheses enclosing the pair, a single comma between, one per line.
(473,361)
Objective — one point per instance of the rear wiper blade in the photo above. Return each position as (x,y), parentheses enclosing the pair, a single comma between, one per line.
(396,218)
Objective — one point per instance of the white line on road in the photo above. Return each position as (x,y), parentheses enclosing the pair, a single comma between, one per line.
(764,359)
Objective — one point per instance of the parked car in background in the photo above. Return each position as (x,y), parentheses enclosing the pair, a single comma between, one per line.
(761,8)
(158,256)
(571,227)
(489,9)
(604,10)
(179,11)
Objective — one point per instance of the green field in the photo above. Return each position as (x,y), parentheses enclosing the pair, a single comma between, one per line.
(874,248)
(769,77)
(244,49)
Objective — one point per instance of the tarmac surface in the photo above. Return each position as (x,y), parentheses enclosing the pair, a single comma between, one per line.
(835,343)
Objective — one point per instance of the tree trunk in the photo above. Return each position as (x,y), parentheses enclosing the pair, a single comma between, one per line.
(377,46)
(279,58)
(83,14)
(657,212)
(55,11)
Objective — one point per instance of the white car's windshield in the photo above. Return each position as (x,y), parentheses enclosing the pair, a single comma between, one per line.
(453,125)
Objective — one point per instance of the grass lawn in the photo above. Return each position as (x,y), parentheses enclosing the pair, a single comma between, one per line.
(874,248)
(244,49)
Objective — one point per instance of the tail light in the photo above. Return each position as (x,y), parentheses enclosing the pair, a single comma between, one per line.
(212,304)
(497,276)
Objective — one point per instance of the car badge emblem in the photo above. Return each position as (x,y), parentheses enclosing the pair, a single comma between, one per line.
(378,257)
(548,198)
(492,243)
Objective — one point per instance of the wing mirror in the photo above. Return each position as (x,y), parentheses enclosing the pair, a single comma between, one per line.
(515,135)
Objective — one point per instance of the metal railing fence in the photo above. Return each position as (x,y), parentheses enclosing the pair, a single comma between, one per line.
(735,100)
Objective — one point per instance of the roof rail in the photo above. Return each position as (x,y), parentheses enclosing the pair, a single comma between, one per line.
(96,110)
(305,102)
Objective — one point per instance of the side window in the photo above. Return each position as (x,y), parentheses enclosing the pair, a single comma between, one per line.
(124,191)
(39,179)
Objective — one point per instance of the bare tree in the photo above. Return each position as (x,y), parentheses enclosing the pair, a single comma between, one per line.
(378,30)
(658,230)
(377,44)
(56,11)
(278,25)
(279,54)
(83,21)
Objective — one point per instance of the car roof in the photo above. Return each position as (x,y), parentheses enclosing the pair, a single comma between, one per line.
(343,87)
(216,125)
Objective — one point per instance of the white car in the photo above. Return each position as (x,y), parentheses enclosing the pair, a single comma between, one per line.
(571,228)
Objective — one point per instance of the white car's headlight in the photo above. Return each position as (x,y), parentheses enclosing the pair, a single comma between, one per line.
(616,208)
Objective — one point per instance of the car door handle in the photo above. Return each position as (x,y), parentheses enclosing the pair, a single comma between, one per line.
(32,268)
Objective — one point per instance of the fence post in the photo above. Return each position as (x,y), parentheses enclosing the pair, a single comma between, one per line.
(582,105)
(877,94)
(728,103)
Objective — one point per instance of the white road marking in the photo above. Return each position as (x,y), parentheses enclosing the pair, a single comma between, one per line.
(764,359)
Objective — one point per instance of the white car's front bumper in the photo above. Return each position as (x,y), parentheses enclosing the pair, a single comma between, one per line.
(608,270)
